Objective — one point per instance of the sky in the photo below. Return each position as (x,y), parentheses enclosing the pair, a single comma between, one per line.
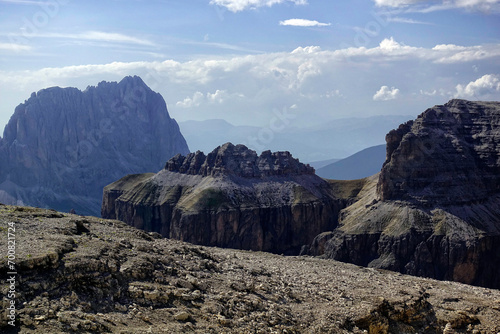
(256,62)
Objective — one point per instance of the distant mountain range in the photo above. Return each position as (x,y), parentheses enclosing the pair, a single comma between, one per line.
(357,166)
(335,139)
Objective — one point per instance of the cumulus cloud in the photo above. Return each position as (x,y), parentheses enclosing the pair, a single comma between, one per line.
(483,87)
(385,94)
(198,98)
(244,89)
(194,101)
(240,5)
(303,23)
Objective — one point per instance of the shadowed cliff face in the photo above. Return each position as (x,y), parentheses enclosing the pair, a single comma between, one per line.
(448,155)
(62,146)
(229,198)
(434,209)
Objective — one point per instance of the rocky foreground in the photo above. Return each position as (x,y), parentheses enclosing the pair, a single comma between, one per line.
(89,275)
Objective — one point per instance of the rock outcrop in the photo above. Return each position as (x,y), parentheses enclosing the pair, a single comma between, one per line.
(62,145)
(450,155)
(90,275)
(434,209)
(230,197)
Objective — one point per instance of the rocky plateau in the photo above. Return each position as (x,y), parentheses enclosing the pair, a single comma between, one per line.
(231,197)
(79,274)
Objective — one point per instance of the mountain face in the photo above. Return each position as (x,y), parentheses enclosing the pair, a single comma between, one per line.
(62,146)
(231,197)
(434,209)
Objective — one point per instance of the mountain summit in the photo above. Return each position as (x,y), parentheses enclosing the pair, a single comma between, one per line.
(63,145)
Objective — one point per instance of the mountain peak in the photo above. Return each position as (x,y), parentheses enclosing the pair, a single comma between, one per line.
(447,155)
(238,160)
(63,145)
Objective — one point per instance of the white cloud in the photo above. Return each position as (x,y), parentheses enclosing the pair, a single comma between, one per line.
(428,93)
(450,53)
(483,87)
(240,5)
(194,101)
(14,47)
(303,23)
(97,36)
(406,20)
(217,97)
(198,98)
(243,89)
(112,37)
(385,94)
(307,49)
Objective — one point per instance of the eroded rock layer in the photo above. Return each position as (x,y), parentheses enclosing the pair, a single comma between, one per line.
(448,156)
(230,198)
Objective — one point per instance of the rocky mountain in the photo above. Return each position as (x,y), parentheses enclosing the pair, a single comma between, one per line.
(63,145)
(230,197)
(357,166)
(434,209)
(90,275)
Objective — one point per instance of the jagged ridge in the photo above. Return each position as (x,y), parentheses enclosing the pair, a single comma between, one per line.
(230,197)
(238,160)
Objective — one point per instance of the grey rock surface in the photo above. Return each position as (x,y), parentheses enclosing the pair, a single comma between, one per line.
(90,275)
(63,145)
(448,155)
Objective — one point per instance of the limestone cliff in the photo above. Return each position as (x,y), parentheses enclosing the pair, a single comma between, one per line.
(230,197)
(62,145)
(434,209)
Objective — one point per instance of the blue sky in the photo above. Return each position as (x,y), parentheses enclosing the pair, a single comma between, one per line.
(244,60)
